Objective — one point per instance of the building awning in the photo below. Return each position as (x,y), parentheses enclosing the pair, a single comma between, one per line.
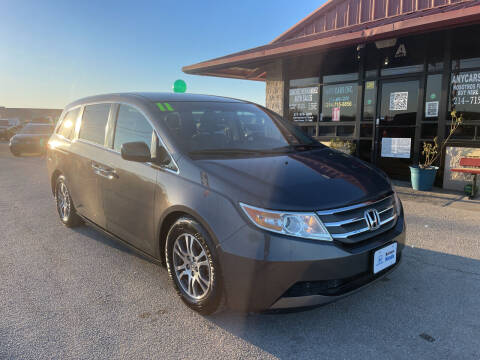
(340,23)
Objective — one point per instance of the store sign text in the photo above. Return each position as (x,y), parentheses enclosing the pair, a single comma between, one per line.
(466,88)
(303,103)
(339,96)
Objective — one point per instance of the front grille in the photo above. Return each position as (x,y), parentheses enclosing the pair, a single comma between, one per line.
(349,226)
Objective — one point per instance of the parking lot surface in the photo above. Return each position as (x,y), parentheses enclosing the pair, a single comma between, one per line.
(77,294)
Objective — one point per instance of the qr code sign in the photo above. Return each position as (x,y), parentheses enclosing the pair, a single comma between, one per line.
(431,109)
(399,101)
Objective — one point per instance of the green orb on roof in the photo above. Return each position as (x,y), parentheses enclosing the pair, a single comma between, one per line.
(179,86)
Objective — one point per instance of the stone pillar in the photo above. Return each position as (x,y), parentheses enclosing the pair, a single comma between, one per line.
(275,87)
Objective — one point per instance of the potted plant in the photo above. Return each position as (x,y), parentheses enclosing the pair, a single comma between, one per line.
(423,175)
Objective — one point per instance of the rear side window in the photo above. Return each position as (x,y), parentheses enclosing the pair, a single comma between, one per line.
(67,127)
(94,122)
(131,126)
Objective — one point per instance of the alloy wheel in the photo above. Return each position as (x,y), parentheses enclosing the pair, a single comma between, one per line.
(63,201)
(192,267)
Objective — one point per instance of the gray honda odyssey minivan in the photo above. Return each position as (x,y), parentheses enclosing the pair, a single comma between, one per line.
(241,206)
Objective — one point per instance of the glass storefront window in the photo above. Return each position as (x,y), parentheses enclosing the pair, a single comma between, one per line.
(461,64)
(435,43)
(464,132)
(340,65)
(434,67)
(309,130)
(304,97)
(402,70)
(366,130)
(339,102)
(345,130)
(429,131)
(432,97)
(365,150)
(399,102)
(326,131)
(304,82)
(369,101)
(339,78)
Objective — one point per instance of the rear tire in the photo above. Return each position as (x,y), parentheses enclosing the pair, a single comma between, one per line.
(193,266)
(65,208)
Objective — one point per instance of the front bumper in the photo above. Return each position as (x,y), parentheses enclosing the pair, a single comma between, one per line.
(264,271)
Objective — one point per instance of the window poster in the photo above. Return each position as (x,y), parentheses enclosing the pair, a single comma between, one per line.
(466,88)
(336,114)
(339,102)
(396,148)
(431,109)
(399,101)
(303,104)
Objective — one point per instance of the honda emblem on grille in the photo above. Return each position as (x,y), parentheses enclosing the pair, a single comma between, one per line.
(372,217)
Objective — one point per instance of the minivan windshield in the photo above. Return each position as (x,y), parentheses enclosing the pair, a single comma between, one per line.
(37,129)
(224,128)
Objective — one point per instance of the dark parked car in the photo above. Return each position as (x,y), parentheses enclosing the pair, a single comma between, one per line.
(32,138)
(238,203)
(8,128)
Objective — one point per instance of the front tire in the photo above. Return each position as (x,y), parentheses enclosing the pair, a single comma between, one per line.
(66,209)
(193,266)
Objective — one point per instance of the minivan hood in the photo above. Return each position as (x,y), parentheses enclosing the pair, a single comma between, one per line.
(311,180)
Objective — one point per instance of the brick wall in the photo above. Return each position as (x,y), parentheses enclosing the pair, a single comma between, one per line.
(275,85)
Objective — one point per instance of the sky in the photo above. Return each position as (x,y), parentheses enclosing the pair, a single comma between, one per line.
(54,52)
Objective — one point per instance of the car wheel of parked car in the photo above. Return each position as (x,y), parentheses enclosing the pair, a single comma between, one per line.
(193,266)
(65,208)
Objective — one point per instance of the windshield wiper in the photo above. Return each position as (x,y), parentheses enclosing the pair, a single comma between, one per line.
(297,147)
(224,151)
(233,151)
(307,146)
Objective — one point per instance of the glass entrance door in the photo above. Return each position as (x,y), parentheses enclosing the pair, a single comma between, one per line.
(395,126)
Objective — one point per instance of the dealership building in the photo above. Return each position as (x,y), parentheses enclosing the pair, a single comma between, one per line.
(382,74)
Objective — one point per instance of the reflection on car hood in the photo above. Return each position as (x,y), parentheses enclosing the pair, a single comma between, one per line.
(311,180)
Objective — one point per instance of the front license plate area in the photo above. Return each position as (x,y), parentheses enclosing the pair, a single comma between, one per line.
(384,258)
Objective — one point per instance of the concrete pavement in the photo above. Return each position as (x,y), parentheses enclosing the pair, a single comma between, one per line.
(77,294)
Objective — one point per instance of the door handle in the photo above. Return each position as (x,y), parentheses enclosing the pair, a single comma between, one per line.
(110,175)
(105,172)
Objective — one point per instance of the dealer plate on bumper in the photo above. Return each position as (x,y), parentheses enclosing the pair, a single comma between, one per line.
(384,258)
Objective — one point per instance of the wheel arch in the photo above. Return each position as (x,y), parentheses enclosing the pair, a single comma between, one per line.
(53,180)
(168,219)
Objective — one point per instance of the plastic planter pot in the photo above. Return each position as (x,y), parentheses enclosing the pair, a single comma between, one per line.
(423,179)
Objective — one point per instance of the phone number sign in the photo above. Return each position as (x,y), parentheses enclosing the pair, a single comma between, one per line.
(466,88)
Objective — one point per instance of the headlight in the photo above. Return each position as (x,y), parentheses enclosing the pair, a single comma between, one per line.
(398,203)
(303,225)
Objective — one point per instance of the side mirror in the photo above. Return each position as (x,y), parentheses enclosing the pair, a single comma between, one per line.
(136,151)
